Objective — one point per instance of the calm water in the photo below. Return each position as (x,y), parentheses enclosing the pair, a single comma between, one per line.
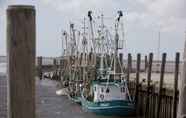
(48,104)
(59,106)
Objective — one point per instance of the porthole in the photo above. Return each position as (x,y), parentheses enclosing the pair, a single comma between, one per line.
(102,96)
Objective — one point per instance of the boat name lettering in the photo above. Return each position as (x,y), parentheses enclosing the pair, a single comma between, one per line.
(104,104)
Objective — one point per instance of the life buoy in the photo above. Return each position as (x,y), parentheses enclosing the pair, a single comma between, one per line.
(102,96)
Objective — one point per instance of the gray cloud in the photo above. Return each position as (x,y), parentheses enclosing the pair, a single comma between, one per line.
(165,7)
(144,18)
(2,5)
(2,2)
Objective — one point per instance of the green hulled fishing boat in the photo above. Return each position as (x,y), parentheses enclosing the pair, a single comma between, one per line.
(97,81)
(109,94)
(109,98)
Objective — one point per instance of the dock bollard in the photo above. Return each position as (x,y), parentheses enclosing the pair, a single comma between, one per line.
(21,39)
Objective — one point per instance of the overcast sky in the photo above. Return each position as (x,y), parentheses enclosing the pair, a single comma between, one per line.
(143,20)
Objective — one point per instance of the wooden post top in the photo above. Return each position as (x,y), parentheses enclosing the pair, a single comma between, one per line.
(21,51)
(21,7)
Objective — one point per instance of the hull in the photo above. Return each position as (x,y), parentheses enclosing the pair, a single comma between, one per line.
(114,108)
(76,99)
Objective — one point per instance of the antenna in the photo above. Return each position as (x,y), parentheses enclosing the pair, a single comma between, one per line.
(102,22)
(90,15)
(120,13)
(158,49)
(65,43)
(92,31)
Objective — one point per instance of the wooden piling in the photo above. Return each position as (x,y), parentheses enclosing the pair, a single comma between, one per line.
(129,66)
(90,62)
(149,67)
(121,58)
(39,67)
(55,62)
(60,68)
(161,86)
(121,69)
(21,38)
(39,61)
(182,89)
(137,80)
(108,60)
(61,63)
(81,59)
(174,111)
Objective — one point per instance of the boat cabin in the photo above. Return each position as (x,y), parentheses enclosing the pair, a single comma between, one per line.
(109,92)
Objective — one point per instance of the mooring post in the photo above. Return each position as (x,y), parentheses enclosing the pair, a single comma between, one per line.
(108,60)
(119,63)
(90,59)
(60,68)
(85,59)
(81,59)
(39,67)
(55,74)
(21,36)
(129,66)
(149,67)
(176,74)
(61,64)
(137,80)
(55,63)
(39,61)
(121,59)
(161,85)
(182,89)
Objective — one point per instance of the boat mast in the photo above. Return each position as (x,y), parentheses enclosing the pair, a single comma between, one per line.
(93,50)
(84,48)
(102,38)
(73,39)
(65,44)
(120,14)
(102,23)
(91,30)
(116,31)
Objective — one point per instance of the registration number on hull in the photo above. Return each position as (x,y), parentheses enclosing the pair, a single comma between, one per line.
(104,104)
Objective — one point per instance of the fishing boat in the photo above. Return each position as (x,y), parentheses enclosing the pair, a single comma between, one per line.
(105,90)
(110,98)
(108,93)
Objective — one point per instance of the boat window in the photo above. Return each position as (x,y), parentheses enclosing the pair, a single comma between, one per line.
(94,88)
(102,90)
(122,89)
(107,90)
